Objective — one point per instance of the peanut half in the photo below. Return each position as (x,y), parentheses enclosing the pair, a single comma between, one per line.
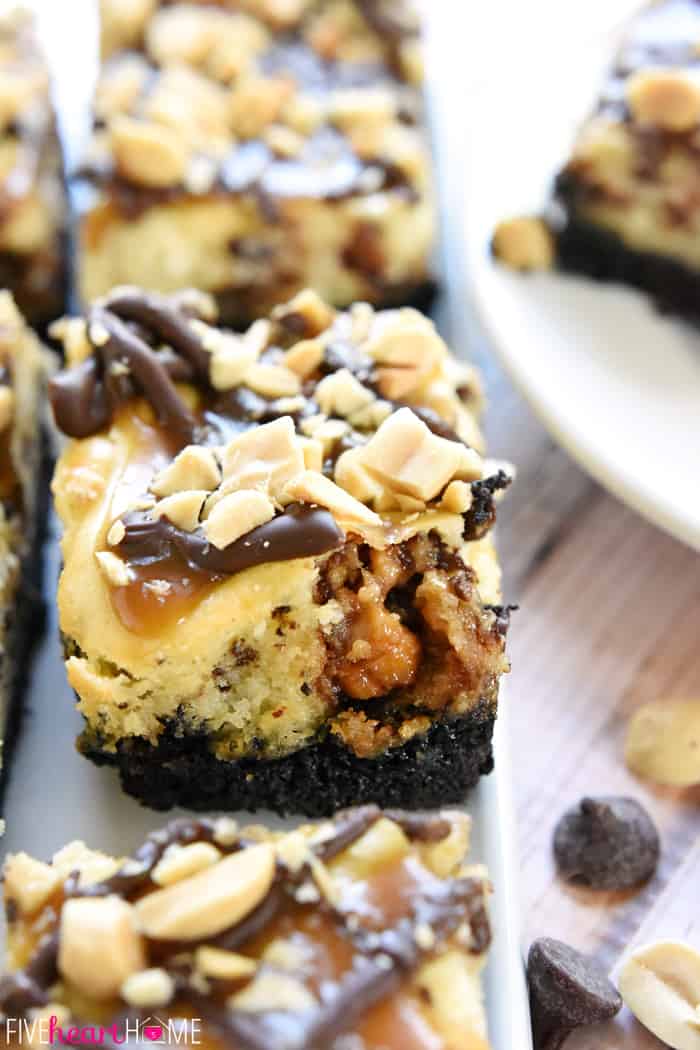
(210,901)
(524,243)
(660,983)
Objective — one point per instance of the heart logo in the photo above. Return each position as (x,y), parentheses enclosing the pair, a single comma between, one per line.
(153,1032)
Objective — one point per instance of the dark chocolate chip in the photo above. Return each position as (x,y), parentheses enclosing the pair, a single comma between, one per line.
(607,844)
(567,991)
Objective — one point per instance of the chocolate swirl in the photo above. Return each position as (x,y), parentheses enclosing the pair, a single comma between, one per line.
(85,399)
(301,531)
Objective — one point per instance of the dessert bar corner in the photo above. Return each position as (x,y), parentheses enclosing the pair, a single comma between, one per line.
(626,205)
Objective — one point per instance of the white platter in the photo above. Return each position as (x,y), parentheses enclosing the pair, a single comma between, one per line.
(617,384)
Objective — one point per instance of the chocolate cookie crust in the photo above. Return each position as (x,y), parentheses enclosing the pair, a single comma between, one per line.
(435,769)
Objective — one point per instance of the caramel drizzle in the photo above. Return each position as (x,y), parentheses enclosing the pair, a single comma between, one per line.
(381,959)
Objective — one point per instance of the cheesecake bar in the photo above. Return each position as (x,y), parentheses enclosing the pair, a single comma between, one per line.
(23,492)
(32,196)
(365,933)
(627,203)
(254,149)
(279,587)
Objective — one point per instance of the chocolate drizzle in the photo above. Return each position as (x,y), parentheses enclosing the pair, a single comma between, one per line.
(420,827)
(28,988)
(85,398)
(327,169)
(171,326)
(301,531)
(349,825)
(136,872)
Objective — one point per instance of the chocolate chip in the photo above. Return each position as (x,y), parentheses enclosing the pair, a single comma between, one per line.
(607,844)
(567,990)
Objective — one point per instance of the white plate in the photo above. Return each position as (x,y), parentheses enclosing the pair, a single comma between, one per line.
(55,796)
(617,384)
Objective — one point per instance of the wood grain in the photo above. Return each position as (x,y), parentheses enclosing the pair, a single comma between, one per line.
(609,619)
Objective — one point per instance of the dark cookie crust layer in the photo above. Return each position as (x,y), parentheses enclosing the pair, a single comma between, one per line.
(585,248)
(436,769)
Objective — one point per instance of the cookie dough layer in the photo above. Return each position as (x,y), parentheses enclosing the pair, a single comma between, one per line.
(630,195)
(32,197)
(252,153)
(23,509)
(369,930)
(274,564)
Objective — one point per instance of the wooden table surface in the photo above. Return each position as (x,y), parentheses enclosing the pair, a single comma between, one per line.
(608,620)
